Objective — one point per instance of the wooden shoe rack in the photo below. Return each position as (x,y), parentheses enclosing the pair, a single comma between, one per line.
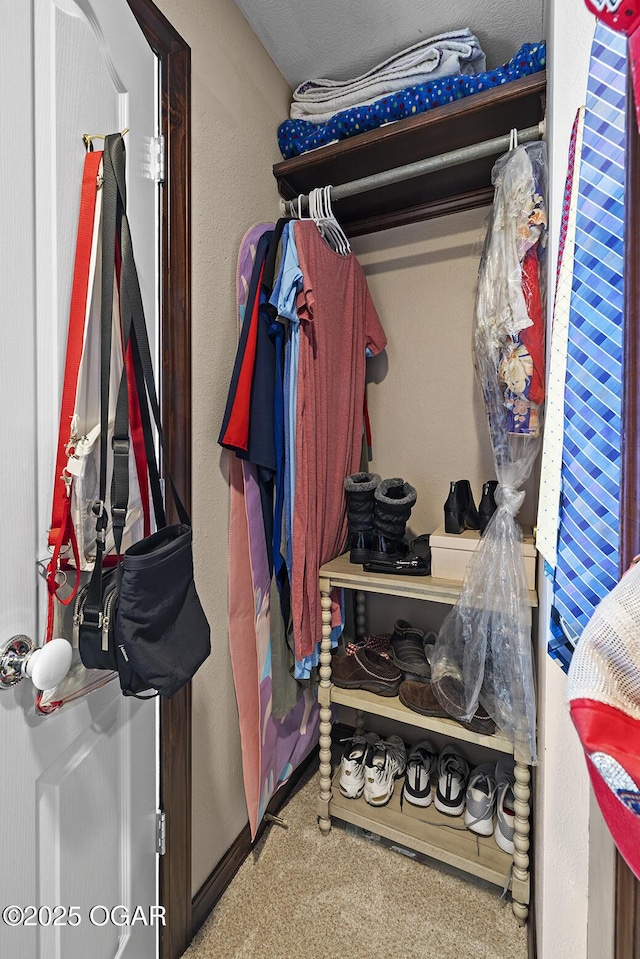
(414,827)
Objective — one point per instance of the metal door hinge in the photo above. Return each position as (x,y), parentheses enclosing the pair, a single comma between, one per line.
(161,832)
(156,159)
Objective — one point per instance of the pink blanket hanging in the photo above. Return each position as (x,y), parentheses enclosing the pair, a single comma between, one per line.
(271,749)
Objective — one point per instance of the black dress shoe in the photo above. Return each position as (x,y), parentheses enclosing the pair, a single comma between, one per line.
(460,511)
(487,505)
(408,651)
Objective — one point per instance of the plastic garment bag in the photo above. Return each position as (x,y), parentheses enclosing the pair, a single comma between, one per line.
(483,653)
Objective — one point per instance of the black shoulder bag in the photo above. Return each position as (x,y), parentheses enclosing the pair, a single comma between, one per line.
(143,619)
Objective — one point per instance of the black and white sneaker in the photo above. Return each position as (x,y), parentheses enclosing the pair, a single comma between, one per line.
(351,781)
(386,761)
(453,772)
(422,762)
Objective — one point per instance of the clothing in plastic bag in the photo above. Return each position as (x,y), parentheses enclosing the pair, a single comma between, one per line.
(483,653)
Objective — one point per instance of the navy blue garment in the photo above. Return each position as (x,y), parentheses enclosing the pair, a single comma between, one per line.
(236,398)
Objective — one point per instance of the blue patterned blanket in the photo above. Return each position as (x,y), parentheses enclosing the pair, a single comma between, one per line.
(299,136)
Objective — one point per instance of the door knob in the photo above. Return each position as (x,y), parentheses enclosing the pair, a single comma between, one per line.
(45,666)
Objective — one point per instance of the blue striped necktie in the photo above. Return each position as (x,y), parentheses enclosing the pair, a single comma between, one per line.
(588,535)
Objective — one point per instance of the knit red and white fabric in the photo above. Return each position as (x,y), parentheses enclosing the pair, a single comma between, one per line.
(604,697)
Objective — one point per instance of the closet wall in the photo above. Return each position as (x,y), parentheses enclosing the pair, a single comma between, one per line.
(426,410)
(238,99)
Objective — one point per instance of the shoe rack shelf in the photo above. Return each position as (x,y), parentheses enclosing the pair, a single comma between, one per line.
(390,707)
(428,831)
(341,572)
(441,837)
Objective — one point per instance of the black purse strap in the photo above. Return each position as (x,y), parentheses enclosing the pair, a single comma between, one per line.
(116,239)
(134,323)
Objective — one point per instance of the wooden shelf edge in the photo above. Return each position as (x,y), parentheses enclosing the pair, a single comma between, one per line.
(391,708)
(340,572)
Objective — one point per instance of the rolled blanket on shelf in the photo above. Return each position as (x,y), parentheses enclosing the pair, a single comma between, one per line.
(299,136)
(456,52)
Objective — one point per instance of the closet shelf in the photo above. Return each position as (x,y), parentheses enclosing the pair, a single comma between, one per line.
(428,832)
(391,708)
(341,572)
(472,120)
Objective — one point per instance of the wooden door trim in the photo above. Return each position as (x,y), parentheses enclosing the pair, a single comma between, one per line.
(175,713)
(627,910)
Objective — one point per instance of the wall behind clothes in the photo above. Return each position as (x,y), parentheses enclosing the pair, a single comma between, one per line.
(425,405)
(574,854)
(238,100)
(426,410)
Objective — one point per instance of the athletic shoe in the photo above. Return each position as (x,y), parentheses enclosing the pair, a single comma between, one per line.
(386,760)
(505,804)
(422,762)
(481,799)
(351,782)
(453,772)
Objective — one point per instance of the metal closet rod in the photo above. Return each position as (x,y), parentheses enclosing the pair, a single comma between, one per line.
(410,170)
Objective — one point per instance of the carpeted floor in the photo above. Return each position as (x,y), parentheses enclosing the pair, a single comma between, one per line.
(301,895)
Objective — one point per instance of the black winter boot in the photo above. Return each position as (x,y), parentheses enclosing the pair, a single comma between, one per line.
(390,553)
(360,489)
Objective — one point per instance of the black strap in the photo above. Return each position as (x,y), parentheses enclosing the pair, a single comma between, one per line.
(92,611)
(133,319)
(116,236)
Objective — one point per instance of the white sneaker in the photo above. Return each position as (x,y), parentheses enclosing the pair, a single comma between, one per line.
(481,799)
(453,772)
(351,782)
(386,760)
(505,804)
(422,762)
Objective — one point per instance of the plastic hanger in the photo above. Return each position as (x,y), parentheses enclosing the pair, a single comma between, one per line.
(317,215)
(345,246)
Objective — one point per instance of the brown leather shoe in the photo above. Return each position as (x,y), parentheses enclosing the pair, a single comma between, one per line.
(365,670)
(421,698)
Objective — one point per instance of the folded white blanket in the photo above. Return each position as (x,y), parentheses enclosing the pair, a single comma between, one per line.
(447,53)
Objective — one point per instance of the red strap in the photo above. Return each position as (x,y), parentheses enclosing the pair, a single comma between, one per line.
(61,532)
(75,336)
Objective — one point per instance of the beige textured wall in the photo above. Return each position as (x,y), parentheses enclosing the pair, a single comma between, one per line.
(238,100)
(426,411)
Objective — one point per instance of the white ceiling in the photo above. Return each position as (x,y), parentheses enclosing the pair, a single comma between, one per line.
(340,39)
